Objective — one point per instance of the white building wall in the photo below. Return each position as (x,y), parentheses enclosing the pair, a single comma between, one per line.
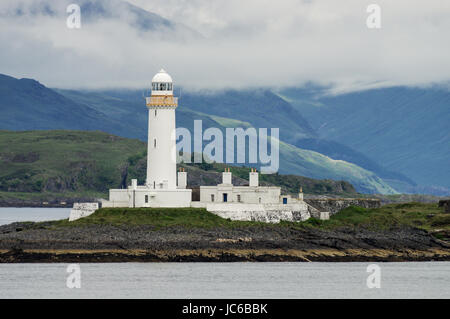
(250,195)
(146,197)
(161,155)
(269,213)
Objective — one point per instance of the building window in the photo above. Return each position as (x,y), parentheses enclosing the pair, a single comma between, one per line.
(154,184)
(146,199)
(212,197)
(260,200)
(154,142)
(239,198)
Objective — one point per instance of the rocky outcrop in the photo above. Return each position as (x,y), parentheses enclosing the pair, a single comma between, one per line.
(445,204)
(335,205)
(43,242)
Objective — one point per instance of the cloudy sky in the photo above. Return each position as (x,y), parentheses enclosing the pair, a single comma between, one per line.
(240,43)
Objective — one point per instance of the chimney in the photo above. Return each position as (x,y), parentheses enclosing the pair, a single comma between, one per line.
(253,178)
(182,179)
(300,194)
(226,177)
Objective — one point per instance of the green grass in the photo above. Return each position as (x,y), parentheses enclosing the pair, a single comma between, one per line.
(157,217)
(420,215)
(64,161)
(425,216)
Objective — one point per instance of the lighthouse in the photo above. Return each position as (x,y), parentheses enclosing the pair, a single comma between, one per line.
(162,188)
(161,152)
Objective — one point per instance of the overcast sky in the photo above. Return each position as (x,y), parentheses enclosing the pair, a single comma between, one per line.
(245,43)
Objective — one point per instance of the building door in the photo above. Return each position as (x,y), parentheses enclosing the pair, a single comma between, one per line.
(225,197)
(284,200)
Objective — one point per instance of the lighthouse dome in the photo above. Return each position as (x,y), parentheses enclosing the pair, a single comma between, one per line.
(162,77)
(162,83)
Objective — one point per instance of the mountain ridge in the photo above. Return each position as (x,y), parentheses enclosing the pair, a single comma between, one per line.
(404,128)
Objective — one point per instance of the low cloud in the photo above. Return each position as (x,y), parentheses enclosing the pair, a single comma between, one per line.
(240,44)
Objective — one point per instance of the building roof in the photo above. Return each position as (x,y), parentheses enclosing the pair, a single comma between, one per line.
(162,76)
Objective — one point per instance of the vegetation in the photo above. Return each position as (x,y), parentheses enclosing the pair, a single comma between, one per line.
(157,217)
(64,161)
(420,215)
(424,216)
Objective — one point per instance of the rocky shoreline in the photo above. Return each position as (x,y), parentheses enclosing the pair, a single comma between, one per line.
(271,255)
(32,242)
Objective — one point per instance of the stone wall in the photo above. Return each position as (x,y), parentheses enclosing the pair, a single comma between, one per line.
(334,205)
(81,210)
(268,213)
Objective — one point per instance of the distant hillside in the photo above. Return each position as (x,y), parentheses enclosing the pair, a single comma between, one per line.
(75,163)
(405,129)
(28,105)
(257,108)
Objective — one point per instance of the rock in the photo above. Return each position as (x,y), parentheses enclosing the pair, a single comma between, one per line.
(334,205)
(445,203)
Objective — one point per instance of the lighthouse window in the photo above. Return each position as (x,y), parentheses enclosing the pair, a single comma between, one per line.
(212,197)
(155,113)
(146,198)
(154,143)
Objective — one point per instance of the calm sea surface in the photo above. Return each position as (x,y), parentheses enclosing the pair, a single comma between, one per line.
(11,214)
(226,280)
(215,280)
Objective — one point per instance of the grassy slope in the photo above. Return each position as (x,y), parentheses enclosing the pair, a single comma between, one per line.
(326,167)
(63,161)
(424,216)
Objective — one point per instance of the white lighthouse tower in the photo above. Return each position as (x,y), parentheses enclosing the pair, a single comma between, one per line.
(161,154)
(161,187)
